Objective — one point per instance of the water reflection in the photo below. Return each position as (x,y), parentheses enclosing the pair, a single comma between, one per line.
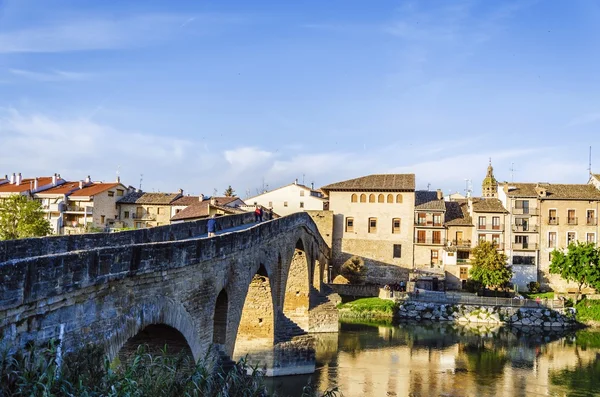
(451,360)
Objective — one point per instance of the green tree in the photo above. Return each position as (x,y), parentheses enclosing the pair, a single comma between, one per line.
(229,192)
(21,217)
(580,264)
(489,265)
(354,270)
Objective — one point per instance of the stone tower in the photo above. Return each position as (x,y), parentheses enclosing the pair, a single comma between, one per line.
(489,187)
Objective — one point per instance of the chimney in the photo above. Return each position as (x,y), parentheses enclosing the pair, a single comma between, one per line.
(440,195)
(13,178)
(19,179)
(470,205)
(88,179)
(180,191)
(213,201)
(312,186)
(201,197)
(118,179)
(296,181)
(35,185)
(54,180)
(81,184)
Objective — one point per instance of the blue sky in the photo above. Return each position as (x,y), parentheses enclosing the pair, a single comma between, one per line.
(202,94)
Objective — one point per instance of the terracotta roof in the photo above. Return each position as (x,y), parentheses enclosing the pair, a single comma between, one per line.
(570,192)
(426,200)
(94,189)
(597,176)
(200,208)
(25,185)
(186,201)
(149,198)
(457,213)
(488,205)
(388,182)
(521,190)
(65,188)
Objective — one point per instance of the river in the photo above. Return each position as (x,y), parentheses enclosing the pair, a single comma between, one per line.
(443,359)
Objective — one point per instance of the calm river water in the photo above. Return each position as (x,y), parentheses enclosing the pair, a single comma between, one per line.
(451,360)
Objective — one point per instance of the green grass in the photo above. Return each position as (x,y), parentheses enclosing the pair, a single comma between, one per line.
(369,305)
(588,310)
(541,295)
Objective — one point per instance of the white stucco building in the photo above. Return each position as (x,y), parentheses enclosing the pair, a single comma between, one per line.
(290,199)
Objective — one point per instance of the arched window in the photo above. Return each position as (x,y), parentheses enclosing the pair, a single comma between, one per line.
(381,198)
(371,198)
(398,198)
(354,198)
(363,198)
(390,198)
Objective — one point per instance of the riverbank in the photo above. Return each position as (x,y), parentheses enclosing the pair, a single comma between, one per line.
(368,309)
(588,312)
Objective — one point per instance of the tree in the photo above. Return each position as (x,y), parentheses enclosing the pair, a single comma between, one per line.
(580,264)
(354,270)
(21,217)
(229,192)
(489,265)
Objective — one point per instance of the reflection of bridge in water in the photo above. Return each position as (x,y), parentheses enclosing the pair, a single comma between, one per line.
(255,291)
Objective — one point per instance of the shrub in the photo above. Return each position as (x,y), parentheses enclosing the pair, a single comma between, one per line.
(534,287)
(354,270)
(473,285)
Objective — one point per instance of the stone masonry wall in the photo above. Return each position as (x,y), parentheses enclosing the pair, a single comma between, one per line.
(538,317)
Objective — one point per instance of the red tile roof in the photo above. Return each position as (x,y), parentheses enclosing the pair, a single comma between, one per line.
(94,189)
(200,208)
(186,201)
(25,185)
(65,188)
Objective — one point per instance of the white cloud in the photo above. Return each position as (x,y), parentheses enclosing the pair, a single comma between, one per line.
(55,75)
(588,118)
(247,157)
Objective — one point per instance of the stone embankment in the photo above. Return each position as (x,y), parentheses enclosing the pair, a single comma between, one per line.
(538,317)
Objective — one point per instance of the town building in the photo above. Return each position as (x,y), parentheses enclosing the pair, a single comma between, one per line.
(457,250)
(373,218)
(140,209)
(290,198)
(16,184)
(429,230)
(93,207)
(183,202)
(217,206)
(54,202)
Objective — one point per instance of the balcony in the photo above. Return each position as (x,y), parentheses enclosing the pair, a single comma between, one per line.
(591,221)
(572,221)
(525,228)
(524,211)
(461,243)
(427,223)
(553,220)
(430,241)
(490,227)
(144,217)
(55,207)
(463,261)
(74,209)
(525,246)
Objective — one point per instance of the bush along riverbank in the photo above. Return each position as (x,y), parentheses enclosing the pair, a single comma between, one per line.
(539,317)
(368,309)
(588,312)
(35,372)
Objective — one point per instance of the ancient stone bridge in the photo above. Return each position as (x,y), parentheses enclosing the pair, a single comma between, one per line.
(246,292)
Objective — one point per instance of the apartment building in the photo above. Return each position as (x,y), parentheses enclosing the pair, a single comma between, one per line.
(140,210)
(16,184)
(373,218)
(54,202)
(94,206)
(457,250)
(289,199)
(429,229)
(201,209)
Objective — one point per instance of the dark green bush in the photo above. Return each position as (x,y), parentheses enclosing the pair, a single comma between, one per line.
(534,287)
(473,286)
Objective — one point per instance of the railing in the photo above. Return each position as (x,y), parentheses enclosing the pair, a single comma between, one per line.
(144,217)
(463,261)
(524,246)
(553,220)
(524,211)
(431,241)
(525,228)
(592,221)
(74,208)
(461,243)
(459,299)
(428,224)
(572,221)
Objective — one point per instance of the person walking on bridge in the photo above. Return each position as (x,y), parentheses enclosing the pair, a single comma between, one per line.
(211,226)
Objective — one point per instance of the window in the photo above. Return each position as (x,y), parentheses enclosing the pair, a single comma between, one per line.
(496,239)
(552,218)
(420,236)
(285,203)
(390,198)
(590,237)
(159,210)
(353,198)
(372,225)
(464,273)
(496,223)
(102,219)
(571,237)
(434,255)
(571,218)
(522,224)
(178,210)
(371,198)
(363,198)
(437,220)
(437,237)
(126,215)
(120,192)
(481,237)
(111,193)
(462,255)
(301,193)
(397,250)
(398,198)
(150,210)
(522,206)
(396,225)
(591,218)
(524,240)
(349,225)
(421,218)
(138,225)
(523,260)
(381,198)
(270,204)
(481,222)
(301,204)
(552,240)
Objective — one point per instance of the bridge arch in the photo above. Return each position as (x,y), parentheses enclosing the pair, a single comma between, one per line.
(296,301)
(151,321)
(157,338)
(220,318)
